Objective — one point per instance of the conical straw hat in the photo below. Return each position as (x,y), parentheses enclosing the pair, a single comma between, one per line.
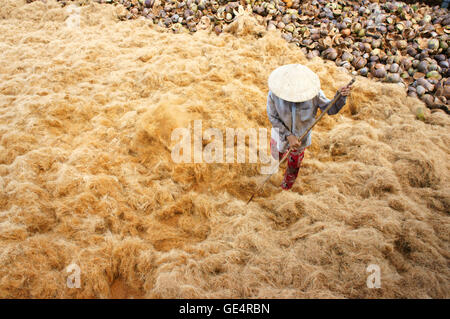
(294,83)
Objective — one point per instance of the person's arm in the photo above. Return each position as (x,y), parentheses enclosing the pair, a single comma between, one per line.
(274,118)
(323,102)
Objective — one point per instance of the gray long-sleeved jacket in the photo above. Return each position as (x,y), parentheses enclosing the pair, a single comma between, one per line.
(283,113)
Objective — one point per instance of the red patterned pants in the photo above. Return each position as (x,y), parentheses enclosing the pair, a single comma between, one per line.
(294,161)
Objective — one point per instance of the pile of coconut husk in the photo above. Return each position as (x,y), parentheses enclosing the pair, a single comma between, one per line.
(92,116)
(388,41)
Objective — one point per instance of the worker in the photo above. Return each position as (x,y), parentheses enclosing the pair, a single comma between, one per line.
(292,103)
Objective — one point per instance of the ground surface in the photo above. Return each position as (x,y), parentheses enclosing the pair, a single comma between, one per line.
(86,175)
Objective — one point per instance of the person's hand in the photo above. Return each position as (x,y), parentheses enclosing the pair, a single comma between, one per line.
(293,141)
(345,91)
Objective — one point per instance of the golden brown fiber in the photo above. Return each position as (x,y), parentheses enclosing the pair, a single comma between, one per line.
(86,175)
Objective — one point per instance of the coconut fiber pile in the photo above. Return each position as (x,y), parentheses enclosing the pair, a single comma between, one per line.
(389,41)
(87,178)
